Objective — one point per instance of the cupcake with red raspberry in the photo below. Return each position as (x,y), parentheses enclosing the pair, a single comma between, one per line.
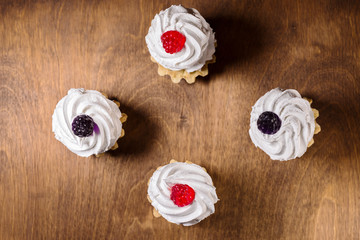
(182,43)
(283,124)
(87,122)
(182,193)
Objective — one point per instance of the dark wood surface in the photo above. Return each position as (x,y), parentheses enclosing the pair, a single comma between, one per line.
(47,192)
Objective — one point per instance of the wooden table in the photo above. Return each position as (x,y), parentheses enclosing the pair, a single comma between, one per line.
(48,47)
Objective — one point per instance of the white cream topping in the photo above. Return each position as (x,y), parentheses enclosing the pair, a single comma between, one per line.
(297,124)
(197,178)
(200,39)
(104,112)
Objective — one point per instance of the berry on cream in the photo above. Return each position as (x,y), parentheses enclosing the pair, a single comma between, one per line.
(183,193)
(86,122)
(180,39)
(282,124)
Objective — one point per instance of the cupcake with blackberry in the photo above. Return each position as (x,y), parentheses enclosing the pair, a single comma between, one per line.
(182,193)
(182,43)
(282,124)
(87,122)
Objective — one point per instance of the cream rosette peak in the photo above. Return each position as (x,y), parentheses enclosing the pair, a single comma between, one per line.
(159,191)
(297,129)
(104,112)
(200,39)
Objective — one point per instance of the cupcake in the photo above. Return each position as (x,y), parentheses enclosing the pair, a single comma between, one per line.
(182,193)
(87,122)
(182,43)
(282,124)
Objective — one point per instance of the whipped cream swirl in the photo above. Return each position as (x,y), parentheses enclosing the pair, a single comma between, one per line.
(193,175)
(104,112)
(200,39)
(297,127)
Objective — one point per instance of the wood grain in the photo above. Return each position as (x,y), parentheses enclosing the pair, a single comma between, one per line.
(47,47)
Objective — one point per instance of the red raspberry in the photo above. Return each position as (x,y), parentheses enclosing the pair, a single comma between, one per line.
(182,195)
(173,41)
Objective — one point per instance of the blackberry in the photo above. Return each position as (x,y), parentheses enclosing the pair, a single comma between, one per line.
(269,123)
(83,125)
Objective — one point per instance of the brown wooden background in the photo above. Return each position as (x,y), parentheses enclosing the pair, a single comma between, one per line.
(47,192)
